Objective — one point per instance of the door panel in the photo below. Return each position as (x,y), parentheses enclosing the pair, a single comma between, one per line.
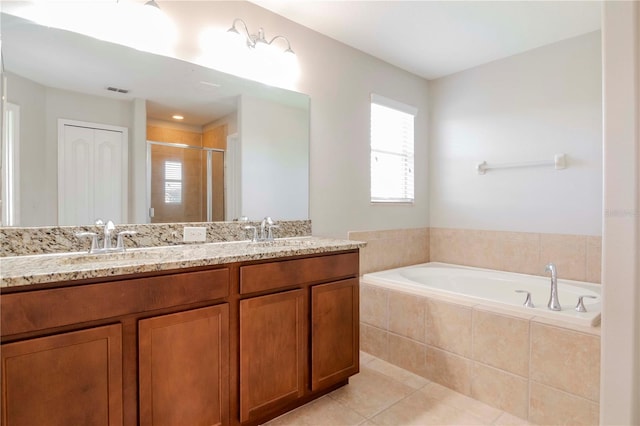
(272,352)
(66,379)
(334,332)
(184,368)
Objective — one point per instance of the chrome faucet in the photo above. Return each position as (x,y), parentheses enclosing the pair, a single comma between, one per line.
(554,303)
(109,227)
(266,229)
(107,243)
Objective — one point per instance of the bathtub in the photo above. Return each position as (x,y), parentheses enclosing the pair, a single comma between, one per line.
(493,288)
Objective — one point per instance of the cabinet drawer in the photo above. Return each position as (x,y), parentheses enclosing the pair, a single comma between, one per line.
(38,310)
(268,276)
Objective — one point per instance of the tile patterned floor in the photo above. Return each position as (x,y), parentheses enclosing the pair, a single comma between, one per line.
(383,394)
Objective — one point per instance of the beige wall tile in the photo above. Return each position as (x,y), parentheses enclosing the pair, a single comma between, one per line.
(501,341)
(447,245)
(521,253)
(568,252)
(500,389)
(484,249)
(449,370)
(566,360)
(406,315)
(407,354)
(374,305)
(448,326)
(594,259)
(374,341)
(388,249)
(549,406)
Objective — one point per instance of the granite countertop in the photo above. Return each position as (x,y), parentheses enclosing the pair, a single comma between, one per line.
(48,268)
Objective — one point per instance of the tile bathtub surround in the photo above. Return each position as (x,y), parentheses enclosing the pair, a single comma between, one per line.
(16,241)
(578,257)
(388,249)
(503,359)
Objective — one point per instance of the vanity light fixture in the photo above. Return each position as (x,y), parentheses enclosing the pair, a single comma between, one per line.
(257,41)
(177,117)
(152,3)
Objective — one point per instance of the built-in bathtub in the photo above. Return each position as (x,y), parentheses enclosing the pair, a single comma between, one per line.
(465,328)
(494,288)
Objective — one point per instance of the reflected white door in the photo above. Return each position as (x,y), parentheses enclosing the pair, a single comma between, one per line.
(92,173)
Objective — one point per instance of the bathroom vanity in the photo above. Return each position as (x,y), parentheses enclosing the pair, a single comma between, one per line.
(159,339)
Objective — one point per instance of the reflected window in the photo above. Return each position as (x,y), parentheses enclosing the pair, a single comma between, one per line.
(172,182)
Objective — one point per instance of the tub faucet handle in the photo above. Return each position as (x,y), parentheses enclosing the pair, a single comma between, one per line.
(528,303)
(580,306)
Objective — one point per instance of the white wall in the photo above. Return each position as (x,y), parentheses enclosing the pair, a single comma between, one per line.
(620,368)
(339,81)
(273,147)
(527,107)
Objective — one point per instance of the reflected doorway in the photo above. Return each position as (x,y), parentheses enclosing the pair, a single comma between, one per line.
(185,183)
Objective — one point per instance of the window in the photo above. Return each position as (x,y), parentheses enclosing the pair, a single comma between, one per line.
(172,182)
(391,151)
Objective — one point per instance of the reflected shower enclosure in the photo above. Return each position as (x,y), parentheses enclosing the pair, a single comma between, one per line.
(186,183)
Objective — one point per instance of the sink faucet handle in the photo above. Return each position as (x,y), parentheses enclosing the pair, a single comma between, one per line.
(121,235)
(254,238)
(270,231)
(94,239)
(528,303)
(580,306)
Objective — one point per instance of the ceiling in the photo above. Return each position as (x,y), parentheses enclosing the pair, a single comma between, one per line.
(436,38)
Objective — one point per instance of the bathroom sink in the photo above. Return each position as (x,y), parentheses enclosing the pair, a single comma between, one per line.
(127,256)
(285,242)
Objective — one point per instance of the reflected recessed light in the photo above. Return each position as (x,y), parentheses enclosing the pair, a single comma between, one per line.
(178,117)
(208,83)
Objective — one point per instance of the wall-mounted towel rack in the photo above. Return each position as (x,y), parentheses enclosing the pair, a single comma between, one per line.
(558,162)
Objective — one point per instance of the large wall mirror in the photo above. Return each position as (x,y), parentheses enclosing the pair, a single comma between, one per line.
(94,136)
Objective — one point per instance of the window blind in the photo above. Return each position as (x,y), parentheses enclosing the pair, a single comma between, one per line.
(172,182)
(392,153)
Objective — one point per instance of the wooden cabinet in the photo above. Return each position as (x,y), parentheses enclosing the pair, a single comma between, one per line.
(272,352)
(66,379)
(184,368)
(236,344)
(301,340)
(334,332)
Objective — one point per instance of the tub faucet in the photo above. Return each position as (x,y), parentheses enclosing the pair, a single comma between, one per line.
(554,303)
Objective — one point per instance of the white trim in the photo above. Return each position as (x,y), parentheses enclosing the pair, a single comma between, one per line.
(11,165)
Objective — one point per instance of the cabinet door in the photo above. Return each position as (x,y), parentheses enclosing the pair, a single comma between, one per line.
(334,332)
(66,379)
(272,352)
(184,368)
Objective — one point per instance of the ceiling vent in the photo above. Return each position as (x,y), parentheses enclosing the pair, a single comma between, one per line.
(118,90)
